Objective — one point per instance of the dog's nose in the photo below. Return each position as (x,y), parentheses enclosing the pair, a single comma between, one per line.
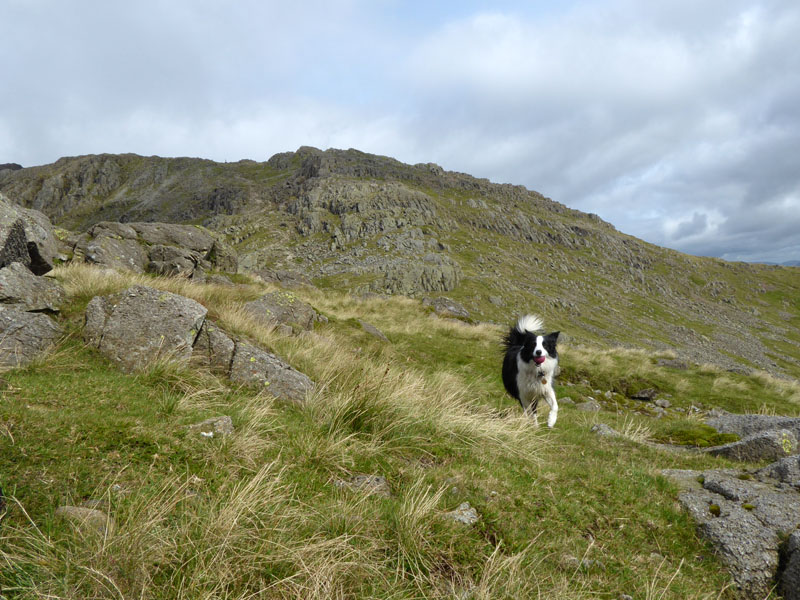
(538,352)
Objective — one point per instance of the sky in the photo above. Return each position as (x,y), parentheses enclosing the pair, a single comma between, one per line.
(677,121)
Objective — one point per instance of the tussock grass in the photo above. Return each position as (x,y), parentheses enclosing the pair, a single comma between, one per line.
(723,383)
(257,515)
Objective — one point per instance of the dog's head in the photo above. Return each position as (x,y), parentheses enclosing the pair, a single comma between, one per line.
(538,348)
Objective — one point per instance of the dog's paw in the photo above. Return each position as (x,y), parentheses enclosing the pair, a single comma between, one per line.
(551,419)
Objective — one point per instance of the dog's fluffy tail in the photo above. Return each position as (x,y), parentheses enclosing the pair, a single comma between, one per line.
(528,323)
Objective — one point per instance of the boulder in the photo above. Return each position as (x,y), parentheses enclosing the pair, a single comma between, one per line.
(647,395)
(766,445)
(26,236)
(285,278)
(255,367)
(19,288)
(604,430)
(141,324)
(24,336)
(283,308)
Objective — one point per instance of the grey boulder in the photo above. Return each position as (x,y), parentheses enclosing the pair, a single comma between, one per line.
(255,367)
(20,288)
(283,308)
(141,324)
(24,336)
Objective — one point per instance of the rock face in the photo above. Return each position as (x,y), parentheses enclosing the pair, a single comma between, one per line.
(26,236)
(19,288)
(162,248)
(141,324)
(746,517)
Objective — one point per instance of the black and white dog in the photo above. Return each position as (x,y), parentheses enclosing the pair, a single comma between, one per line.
(529,366)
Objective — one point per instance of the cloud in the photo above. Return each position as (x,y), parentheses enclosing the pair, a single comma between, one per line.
(676,121)
(645,115)
(697,225)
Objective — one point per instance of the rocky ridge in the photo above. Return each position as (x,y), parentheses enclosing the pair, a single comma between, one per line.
(364,223)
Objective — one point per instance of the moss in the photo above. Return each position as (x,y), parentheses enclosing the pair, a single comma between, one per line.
(699,435)
(714,509)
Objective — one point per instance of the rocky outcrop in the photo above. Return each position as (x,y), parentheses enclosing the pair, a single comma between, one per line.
(162,248)
(751,517)
(747,518)
(142,324)
(27,237)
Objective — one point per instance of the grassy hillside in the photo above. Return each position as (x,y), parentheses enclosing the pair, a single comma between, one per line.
(357,222)
(259,514)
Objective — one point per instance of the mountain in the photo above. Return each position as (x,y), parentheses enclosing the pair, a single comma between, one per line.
(365,223)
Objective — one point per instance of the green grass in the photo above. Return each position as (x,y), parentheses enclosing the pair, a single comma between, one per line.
(258,514)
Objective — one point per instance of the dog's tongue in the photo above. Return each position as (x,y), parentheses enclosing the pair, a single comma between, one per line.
(539,360)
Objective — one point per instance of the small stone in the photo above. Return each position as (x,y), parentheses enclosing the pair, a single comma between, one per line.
(87,519)
(646,395)
(604,430)
(372,485)
(662,403)
(464,514)
(590,405)
(214,426)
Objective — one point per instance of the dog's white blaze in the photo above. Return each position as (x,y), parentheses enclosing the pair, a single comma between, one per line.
(530,323)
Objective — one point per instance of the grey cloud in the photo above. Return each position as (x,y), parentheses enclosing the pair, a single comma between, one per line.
(696,226)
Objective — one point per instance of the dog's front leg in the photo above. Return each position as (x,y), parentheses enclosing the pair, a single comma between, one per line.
(550,396)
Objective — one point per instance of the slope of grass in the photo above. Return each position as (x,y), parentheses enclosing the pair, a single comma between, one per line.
(259,514)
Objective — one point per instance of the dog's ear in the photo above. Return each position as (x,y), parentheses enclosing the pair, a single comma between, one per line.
(553,336)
